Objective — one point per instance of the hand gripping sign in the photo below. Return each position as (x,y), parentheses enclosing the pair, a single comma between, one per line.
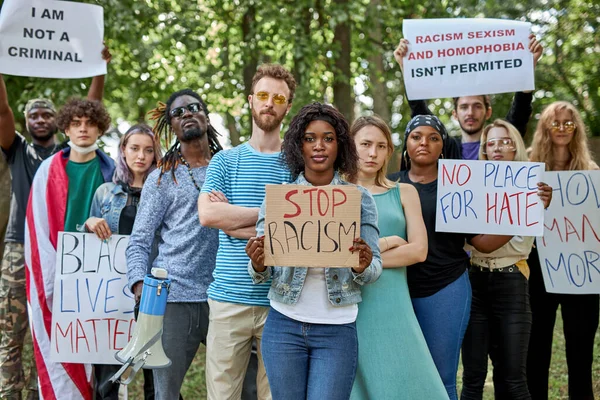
(311,226)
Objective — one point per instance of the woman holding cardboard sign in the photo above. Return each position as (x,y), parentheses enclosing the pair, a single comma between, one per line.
(113,210)
(560,141)
(394,361)
(309,343)
(500,321)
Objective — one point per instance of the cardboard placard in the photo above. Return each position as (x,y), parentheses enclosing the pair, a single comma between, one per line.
(466,56)
(569,250)
(92,311)
(311,226)
(495,197)
(51,39)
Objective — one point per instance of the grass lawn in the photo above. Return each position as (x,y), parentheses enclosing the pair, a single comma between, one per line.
(194,387)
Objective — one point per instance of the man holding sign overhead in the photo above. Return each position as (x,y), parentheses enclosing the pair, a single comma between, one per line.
(467,82)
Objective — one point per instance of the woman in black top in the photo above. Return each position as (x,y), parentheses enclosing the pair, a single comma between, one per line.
(439,286)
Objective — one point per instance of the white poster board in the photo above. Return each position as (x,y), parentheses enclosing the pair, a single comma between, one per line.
(92,311)
(569,250)
(51,39)
(495,197)
(466,56)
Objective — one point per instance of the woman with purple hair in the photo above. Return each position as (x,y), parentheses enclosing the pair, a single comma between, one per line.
(115,203)
(113,210)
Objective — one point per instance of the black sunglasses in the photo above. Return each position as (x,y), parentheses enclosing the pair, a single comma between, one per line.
(178,112)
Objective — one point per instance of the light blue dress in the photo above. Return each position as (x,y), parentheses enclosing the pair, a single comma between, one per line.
(393,359)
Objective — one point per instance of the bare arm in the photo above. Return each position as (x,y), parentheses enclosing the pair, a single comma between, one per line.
(7,119)
(487,243)
(243,233)
(415,250)
(225,216)
(96,91)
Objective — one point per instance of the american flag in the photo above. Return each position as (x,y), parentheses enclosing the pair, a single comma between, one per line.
(45,218)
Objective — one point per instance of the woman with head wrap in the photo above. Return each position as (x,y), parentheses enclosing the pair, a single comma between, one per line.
(439,286)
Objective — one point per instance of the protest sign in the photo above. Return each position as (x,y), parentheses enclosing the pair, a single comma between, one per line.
(495,197)
(569,250)
(51,39)
(92,310)
(307,226)
(464,57)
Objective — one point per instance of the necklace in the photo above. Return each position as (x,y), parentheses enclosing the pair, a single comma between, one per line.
(184,161)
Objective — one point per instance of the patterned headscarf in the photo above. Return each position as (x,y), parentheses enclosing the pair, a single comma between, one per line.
(426,120)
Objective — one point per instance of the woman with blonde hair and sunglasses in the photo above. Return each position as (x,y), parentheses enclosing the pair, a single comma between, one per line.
(393,359)
(500,321)
(560,141)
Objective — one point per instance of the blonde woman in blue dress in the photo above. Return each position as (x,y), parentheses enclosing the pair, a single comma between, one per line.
(393,358)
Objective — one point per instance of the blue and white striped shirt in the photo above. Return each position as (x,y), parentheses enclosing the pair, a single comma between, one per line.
(241,174)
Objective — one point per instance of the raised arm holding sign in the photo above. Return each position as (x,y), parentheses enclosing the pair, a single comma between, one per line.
(473,111)
(463,57)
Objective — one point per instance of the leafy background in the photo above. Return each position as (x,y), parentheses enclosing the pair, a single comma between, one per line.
(340,51)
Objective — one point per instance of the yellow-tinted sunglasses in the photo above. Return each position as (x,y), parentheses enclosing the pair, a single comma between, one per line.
(277,98)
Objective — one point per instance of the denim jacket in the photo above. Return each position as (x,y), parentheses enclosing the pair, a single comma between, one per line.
(109,200)
(343,285)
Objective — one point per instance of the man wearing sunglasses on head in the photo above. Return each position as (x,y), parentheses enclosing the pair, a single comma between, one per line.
(230,201)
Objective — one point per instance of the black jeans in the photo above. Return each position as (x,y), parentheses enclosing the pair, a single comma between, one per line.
(499,327)
(580,324)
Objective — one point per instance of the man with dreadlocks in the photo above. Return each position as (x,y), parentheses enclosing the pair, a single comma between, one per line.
(230,200)
(186,249)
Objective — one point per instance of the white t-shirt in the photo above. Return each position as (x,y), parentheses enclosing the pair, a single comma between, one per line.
(314,306)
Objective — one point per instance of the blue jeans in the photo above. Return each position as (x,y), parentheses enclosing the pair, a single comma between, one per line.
(443,318)
(309,361)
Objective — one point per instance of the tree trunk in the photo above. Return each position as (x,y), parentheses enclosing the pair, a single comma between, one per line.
(379,91)
(343,97)
(250,65)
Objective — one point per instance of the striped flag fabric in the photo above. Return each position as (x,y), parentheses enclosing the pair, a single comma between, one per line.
(44,219)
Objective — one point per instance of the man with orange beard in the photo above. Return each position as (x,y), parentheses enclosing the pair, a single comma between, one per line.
(230,200)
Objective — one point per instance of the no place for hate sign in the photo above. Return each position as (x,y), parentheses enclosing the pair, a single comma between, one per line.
(92,309)
(569,251)
(495,197)
(307,226)
(463,57)
(51,39)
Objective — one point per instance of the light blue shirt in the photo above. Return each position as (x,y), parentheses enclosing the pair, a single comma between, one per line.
(241,174)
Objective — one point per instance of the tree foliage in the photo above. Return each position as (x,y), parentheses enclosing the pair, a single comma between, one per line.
(340,51)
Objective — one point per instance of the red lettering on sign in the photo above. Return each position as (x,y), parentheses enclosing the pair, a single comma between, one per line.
(288,196)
